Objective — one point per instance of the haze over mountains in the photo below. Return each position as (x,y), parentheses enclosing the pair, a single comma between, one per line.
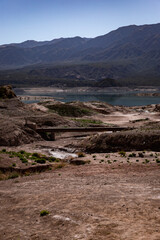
(126,53)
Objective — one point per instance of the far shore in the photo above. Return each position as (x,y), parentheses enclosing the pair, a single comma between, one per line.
(116,90)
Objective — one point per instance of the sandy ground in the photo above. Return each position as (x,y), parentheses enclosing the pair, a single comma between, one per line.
(90,202)
(126,119)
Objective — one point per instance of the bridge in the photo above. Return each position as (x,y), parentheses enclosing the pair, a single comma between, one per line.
(53,130)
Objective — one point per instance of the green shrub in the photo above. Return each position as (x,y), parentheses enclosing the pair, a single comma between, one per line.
(52,159)
(132,155)
(22,152)
(141,155)
(4,150)
(44,213)
(81,154)
(157,161)
(146,161)
(122,153)
(86,122)
(40,160)
(36,155)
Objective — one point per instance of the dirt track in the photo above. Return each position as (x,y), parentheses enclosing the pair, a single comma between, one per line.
(91,202)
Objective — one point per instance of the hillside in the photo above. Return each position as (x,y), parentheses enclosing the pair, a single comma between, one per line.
(131,54)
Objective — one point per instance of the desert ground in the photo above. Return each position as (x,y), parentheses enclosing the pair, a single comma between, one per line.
(99,194)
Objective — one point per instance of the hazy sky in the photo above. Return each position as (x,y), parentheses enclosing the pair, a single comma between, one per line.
(21,20)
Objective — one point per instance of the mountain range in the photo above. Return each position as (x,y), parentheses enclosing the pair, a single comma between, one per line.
(131,52)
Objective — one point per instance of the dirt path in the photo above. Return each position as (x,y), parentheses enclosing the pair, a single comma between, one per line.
(91,202)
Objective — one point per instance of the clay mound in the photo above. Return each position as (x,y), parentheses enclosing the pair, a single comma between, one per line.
(68,109)
(12,134)
(52,120)
(126,141)
(6,92)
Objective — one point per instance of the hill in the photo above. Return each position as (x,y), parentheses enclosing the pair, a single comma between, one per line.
(129,54)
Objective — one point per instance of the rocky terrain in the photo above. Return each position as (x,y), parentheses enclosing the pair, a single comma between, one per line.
(102,186)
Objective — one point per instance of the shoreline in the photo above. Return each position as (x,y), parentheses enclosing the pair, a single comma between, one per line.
(50,90)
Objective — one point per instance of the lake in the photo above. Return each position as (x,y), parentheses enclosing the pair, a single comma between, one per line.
(114,99)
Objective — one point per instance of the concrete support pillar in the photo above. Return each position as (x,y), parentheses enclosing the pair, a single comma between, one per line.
(53,137)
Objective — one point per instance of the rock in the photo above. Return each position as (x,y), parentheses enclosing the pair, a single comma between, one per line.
(6,92)
(157,108)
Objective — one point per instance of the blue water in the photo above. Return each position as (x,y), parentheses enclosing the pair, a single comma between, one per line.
(114,99)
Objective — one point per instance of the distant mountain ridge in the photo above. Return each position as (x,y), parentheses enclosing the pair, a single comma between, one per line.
(136,48)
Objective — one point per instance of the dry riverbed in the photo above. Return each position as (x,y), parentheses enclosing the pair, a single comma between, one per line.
(113,196)
(90,202)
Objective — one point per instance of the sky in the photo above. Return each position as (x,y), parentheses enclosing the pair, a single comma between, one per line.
(40,20)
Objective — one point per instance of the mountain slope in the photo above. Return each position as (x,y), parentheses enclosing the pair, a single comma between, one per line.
(128,52)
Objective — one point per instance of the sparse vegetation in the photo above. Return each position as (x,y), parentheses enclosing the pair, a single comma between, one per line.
(141,155)
(44,213)
(122,153)
(60,165)
(13,175)
(69,110)
(81,154)
(86,122)
(132,155)
(147,161)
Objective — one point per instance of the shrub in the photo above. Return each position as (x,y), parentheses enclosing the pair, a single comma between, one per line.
(122,153)
(141,155)
(22,152)
(81,154)
(36,155)
(40,160)
(60,165)
(13,175)
(146,161)
(52,159)
(4,150)
(132,155)
(44,213)
(23,159)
